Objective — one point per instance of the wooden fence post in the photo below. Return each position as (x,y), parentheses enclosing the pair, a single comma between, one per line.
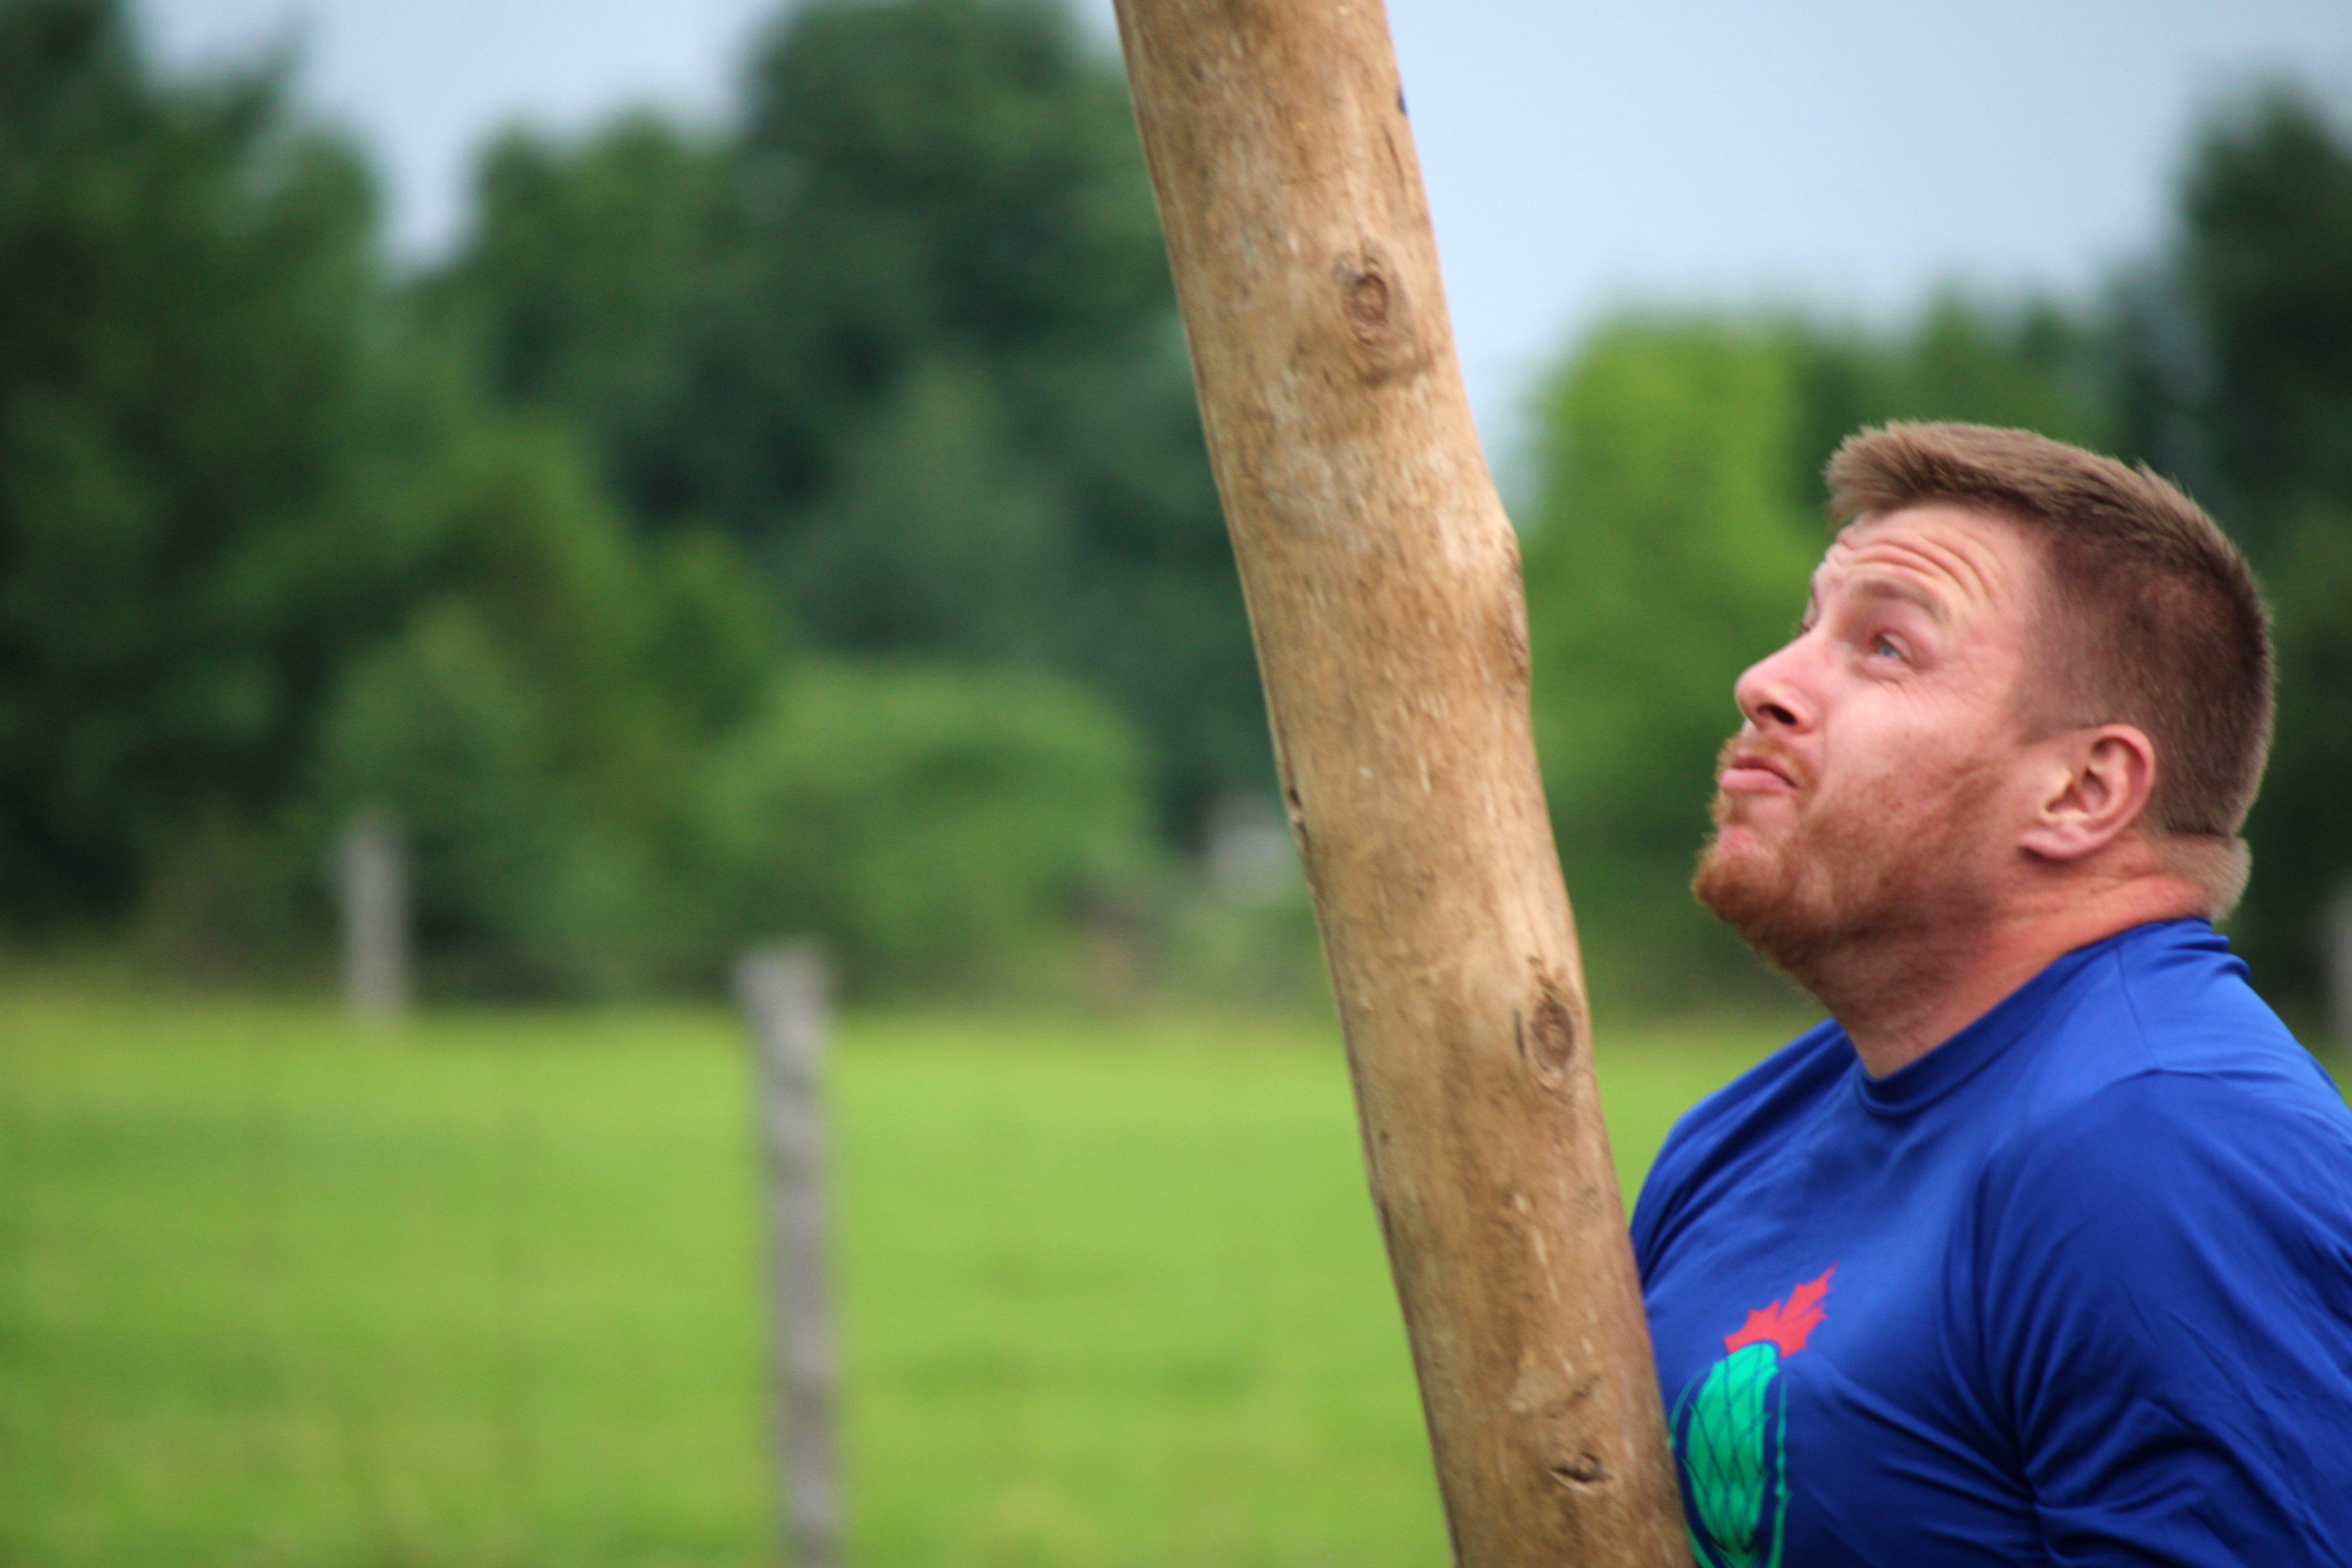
(782,993)
(1383,588)
(371,887)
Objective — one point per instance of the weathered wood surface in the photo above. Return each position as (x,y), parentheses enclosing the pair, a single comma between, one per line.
(782,991)
(370,875)
(1383,587)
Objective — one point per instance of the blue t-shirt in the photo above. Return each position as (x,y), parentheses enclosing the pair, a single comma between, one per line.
(2075,1286)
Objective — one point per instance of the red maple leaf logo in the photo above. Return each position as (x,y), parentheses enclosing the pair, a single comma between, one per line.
(1787,1324)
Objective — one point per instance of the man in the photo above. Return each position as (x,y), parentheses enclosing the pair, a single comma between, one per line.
(2041,1249)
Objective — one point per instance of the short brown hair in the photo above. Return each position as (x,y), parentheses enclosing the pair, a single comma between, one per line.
(2155,619)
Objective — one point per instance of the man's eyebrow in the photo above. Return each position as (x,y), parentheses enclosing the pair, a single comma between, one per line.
(1897,588)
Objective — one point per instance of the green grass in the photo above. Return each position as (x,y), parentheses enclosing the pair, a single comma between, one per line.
(274,1292)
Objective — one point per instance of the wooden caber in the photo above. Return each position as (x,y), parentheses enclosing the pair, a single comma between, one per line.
(1383,587)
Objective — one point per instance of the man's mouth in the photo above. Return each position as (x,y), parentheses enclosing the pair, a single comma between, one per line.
(1752,770)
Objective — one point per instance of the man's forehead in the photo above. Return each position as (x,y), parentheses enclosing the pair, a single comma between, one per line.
(1933,553)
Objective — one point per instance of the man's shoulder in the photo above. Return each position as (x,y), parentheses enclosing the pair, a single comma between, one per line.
(1744,1117)
(1794,1073)
(2197,1209)
(2157,1013)
(2192,1137)
(2164,1087)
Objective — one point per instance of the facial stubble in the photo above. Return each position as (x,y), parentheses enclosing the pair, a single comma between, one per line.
(1857,872)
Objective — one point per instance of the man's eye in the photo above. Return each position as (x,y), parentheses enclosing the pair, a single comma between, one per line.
(1883,647)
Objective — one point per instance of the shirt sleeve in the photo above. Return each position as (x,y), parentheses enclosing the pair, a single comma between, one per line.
(2165,1300)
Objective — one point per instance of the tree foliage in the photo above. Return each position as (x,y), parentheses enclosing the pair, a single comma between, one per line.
(804,522)
(539,723)
(2264,266)
(1661,552)
(939,825)
(199,511)
(905,332)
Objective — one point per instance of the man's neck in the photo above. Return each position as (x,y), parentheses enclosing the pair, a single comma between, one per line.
(1901,997)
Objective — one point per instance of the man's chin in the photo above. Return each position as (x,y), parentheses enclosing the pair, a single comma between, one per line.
(1735,838)
(1741,853)
(1753,892)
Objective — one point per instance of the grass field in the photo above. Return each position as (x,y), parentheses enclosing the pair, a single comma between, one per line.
(1110,1292)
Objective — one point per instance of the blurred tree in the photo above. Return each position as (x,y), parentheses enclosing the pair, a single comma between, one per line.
(540,725)
(267,556)
(939,536)
(907,336)
(441,727)
(2264,273)
(959,181)
(713,641)
(2267,213)
(940,825)
(2029,364)
(1666,551)
(204,498)
(596,284)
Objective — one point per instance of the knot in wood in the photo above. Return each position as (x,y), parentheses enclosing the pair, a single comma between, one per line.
(1582,1471)
(1368,301)
(1548,1033)
(1379,311)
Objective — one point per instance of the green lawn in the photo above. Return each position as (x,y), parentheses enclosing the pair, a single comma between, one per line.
(272,1293)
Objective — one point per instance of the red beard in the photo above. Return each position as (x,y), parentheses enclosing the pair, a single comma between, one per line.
(1856,868)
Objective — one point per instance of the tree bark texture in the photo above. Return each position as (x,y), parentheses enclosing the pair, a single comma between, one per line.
(1383,587)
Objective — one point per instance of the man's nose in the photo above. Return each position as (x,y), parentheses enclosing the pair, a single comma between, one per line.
(1769,695)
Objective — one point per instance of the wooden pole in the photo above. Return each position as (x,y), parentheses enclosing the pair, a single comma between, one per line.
(783,992)
(1383,588)
(372,886)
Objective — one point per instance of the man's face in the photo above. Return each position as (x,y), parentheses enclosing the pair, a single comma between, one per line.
(1873,789)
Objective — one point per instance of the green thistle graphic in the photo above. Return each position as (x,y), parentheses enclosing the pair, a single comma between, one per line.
(1731,1435)
(1724,1457)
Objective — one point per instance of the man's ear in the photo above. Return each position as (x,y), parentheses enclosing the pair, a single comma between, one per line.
(2096,786)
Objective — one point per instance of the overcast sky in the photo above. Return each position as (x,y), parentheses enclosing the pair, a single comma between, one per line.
(1849,157)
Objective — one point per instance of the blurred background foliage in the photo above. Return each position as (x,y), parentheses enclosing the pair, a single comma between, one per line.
(803,524)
